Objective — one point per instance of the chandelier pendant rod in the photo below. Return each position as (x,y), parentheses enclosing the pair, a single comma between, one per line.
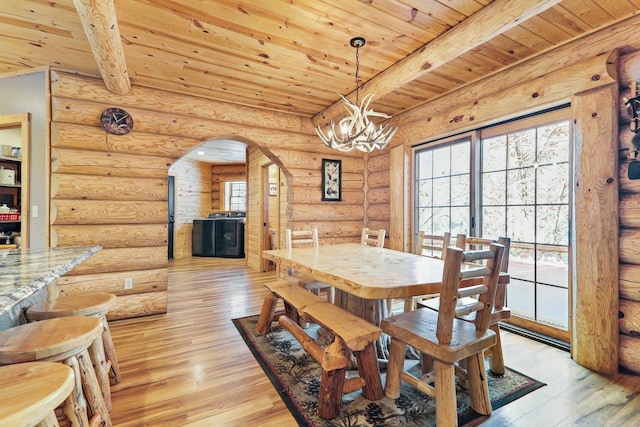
(357,131)
(357,42)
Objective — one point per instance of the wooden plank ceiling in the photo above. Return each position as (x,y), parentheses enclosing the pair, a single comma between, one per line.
(294,55)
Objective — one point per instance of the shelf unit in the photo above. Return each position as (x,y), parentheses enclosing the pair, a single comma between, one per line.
(16,195)
(11,194)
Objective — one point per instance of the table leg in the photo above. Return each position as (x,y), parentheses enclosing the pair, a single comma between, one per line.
(372,310)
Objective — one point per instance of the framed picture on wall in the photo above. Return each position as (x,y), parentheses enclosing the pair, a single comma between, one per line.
(273,189)
(331,180)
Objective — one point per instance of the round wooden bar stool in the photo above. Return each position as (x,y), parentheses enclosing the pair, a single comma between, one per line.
(75,341)
(31,392)
(95,304)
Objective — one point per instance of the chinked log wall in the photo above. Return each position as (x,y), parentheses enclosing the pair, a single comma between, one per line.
(112,190)
(547,80)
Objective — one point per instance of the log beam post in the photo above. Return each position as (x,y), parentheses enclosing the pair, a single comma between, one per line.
(595,286)
(101,27)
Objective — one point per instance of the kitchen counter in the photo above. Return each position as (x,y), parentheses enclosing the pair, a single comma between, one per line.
(26,273)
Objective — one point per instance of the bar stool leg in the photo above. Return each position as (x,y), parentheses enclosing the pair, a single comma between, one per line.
(96,352)
(110,351)
(75,408)
(91,388)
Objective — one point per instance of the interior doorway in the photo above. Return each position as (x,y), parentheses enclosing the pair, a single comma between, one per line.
(171,208)
(270,220)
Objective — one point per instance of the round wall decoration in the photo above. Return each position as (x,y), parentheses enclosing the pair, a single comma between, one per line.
(116,121)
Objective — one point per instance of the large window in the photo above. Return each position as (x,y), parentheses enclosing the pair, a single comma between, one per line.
(509,180)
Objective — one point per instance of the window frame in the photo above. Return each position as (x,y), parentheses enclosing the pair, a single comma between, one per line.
(228,194)
(560,113)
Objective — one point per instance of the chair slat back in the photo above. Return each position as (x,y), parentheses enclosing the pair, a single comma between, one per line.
(474,243)
(301,238)
(433,244)
(471,242)
(461,265)
(373,237)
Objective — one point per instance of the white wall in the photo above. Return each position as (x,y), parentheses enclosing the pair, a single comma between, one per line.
(28,94)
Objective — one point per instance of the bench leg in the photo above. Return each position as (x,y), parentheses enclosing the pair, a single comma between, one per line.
(267,313)
(369,371)
(330,396)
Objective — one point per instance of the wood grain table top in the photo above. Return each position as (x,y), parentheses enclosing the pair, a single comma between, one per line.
(364,271)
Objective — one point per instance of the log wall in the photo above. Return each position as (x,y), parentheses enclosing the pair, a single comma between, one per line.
(377,192)
(111,190)
(629,211)
(337,222)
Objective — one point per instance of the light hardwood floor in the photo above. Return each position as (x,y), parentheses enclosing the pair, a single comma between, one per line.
(191,367)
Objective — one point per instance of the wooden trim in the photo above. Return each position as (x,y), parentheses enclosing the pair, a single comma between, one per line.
(529,122)
(595,340)
(539,328)
(264,213)
(399,185)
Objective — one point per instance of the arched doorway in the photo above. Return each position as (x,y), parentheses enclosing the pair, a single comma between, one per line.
(200,177)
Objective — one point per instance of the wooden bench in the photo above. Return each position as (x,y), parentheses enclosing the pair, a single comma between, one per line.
(352,335)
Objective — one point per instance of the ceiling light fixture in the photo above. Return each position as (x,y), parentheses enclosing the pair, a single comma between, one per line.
(356,130)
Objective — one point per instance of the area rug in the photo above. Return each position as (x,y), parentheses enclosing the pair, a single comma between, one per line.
(296,377)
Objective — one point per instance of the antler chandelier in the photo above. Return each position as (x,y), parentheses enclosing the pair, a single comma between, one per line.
(357,131)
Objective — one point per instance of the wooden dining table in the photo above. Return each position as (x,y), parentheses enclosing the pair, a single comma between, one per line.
(367,272)
(364,277)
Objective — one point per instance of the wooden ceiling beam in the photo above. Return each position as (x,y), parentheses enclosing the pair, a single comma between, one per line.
(101,27)
(479,28)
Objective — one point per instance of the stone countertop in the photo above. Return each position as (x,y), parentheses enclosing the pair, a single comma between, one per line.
(24,272)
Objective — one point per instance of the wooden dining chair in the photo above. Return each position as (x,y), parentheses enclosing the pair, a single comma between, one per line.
(447,339)
(500,311)
(305,238)
(431,245)
(371,237)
